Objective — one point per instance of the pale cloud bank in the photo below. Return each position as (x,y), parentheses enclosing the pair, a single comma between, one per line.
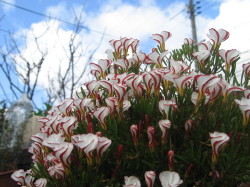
(126,20)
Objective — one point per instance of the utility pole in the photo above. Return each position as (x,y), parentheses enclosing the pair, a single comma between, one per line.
(191,11)
(192,18)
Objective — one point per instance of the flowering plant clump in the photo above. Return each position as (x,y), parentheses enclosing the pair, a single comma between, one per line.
(149,120)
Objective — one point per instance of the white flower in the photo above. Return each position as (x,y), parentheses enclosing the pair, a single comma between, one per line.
(169,178)
(132,181)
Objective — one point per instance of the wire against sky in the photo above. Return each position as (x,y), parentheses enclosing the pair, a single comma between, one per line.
(50,17)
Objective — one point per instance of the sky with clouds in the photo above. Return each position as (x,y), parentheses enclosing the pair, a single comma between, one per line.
(113,19)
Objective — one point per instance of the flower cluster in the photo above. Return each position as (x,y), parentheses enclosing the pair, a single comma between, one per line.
(149,115)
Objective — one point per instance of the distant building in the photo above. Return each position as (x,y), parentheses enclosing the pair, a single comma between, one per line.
(17,115)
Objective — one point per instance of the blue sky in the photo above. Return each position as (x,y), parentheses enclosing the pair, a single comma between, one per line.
(118,18)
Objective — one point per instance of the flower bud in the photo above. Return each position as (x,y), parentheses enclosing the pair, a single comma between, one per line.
(57,171)
(150,178)
(88,117)
(119,152)
(99,134)
(90,127)
(170,160)
(135,133)
(151,138)
(190,166)
(147,120)
(189,124)
(218,140)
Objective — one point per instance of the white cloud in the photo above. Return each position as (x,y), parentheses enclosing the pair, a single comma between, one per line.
(6,7)
(55,41)
(234,16)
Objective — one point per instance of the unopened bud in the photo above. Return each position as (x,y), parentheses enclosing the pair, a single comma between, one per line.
(170,160)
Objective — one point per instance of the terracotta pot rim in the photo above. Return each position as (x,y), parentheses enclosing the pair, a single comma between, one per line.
(8,172)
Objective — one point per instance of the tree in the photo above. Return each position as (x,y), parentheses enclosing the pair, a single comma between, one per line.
(27,70)
(14,63)
(65,83)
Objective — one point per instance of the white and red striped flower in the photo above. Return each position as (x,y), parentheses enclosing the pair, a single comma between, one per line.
(125,78)
(150,178)
(229,56)
(101,114)
(205,46)
(29,180)
(57,171)
(135,84)
(246,68)
(218,141)
(189,41)
(46,129)
(195,95)
(43,120)
(125,105)
(54,111)
(53,140)
(204,82)
(152,81)
(117,78)
(110,54)
(244,105)
(126,43)
(36,149)
(135,133)
(161,38)
(42,182)
(177,67)
(169,178)
(247,94)
(102,146)
(215,91)
(156,77)
(123,63)
(149,82)
(117,46)
(189,124)
(120,91)
(92,87)
(84,104)
(229,88)
(164,106)
(151,137)
(19,177)
(53,123)
(108,85)
(50,160)
(156,58)
(139,57)
(39,137)
(68,124)
(95,73)
(201,56)
(180,83)
(63,151)
(65,107)
(87,143)
(164,125)
(218,36)
(112,104)
(101,66)
(132,181)
(134,45)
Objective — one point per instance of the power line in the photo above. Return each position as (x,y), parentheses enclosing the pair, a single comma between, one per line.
(50,17)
